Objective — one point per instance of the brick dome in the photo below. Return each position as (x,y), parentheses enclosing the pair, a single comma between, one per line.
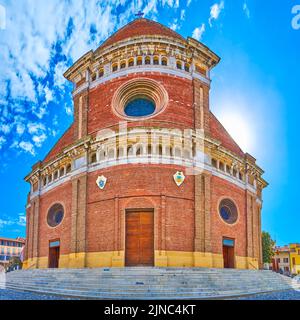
(141,27)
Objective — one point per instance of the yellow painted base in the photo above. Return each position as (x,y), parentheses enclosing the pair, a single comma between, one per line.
(116,259)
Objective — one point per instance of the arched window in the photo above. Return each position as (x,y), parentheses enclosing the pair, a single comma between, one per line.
(147,60)
(131,62)
(93,158)
(160,150)
(102,155)
(115,67)
(123,65)
(214,163)
(69,168)
(56,175)
(234,172)
(55,215)
(62,172)
(139,61)
(179,65)
(187,67)
(139,151)
(139,107)
(129,150)
(221,166)
(101,73)
(45,181)
(228,211)
(156,61)
(164,61)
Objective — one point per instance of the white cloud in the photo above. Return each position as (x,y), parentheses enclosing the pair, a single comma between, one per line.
(215,11)
(198,32)
(11,221)
(5,128)
(246,10)
(20,128)
(174,26)
(28,46)
(35,127)
(69,110)
(27,147)
(48,94)
(39,139)
(182,15)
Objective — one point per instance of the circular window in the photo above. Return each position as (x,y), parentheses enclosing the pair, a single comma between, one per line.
(140,98)
(55,215)
(228,211)
(140,107)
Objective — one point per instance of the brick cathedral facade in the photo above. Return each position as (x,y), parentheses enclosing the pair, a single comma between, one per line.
(121,188)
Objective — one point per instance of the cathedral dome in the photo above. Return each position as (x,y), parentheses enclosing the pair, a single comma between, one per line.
(141,27)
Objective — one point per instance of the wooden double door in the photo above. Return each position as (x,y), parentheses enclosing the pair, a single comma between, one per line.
(139,242)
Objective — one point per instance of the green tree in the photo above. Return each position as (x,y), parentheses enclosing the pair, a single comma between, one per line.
(267,247)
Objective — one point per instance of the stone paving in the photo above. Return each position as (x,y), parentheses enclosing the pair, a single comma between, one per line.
(18,295)
(281,295)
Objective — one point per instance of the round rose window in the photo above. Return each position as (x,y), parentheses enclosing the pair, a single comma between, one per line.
(139,107)
(139,99)
(55,215)
(228,211)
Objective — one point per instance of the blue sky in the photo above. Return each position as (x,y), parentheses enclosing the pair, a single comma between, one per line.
(255,88)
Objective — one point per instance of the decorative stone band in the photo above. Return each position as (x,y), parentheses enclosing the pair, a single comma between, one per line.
(145,87)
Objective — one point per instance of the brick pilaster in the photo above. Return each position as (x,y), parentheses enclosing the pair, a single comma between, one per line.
(249,222)
(201,105)
(202,241)
(78,218)
(81,107)
(36,215)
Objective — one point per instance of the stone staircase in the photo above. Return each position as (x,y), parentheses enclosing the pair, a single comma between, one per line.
(147,283)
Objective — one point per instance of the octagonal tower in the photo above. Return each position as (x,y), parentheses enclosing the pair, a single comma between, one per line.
(146,175)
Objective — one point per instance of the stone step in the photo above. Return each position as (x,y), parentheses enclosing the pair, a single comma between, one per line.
(147,283)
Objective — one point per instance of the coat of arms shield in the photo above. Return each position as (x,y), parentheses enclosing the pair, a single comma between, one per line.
(101,182)
(179,178)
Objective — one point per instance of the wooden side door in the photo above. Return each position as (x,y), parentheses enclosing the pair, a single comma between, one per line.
(228,253)
(54,257)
